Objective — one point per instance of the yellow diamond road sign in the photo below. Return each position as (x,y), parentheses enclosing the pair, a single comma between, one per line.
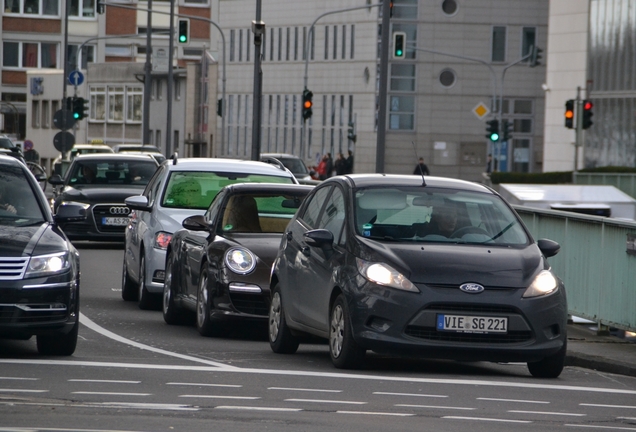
(481,110)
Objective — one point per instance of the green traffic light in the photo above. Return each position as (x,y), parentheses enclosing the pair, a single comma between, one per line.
(398,52)
(182,38)
(494,137)
(76,116)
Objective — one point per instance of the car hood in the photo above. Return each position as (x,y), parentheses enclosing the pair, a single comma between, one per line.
(444,264)
(100,193)
(18,241)
(264,246)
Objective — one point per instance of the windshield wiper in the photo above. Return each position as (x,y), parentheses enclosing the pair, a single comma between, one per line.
(503,231)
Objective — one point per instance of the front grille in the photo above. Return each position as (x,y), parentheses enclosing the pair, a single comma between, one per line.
(250,303)
(32,313)
(13,268)
(101,211)
(430,333)
(471,308)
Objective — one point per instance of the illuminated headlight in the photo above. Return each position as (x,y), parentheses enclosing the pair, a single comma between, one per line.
(63,203)
(240,260)
(48,264)
(162,240)
(545,283)
(383,274)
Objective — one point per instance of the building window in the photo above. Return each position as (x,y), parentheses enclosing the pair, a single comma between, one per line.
(46,114)
(280,43)
(35,114)
(247,45)
(288,45)
(402,77)
(335,42)
(159,89)
(82,8)
(295,43)
(232,32)
(240,45)
(326,42)
(353,41)
(134,105)
(528,39)
(498,44)
(199,2)
(344,42)
(411,37)
(32,7)
(29,55)
(177,89)
(271,44)
(115,104)
(97,112)
(447,78)
(402,113)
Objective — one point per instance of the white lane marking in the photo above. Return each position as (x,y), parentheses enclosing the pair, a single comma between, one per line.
(21,391)
(111,393)
(376,413)
(486,419)
(601,427)
(104,381)
(220,397)
(435,407)
(327,401)
(204,385)
(97,328)
(409,394)
(513,400)
(608,406)
(547,413)
(304,389)
(626,418)
(340,376)
(147,406)
(19,379)
(48,429)
(257,408)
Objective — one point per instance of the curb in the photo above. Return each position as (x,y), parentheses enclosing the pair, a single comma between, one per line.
(600,364)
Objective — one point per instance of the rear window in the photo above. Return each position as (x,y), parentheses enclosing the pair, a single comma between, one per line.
(197,189)
(111,173)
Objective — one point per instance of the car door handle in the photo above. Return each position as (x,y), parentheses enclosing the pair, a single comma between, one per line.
(289,235)
(305,250)
(184,247)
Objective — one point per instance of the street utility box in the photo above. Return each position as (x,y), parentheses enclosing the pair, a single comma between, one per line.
(598,200)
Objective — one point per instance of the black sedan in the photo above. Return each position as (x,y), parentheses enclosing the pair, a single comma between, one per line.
(430,267)
(219,264)
(39,267)
(101,183)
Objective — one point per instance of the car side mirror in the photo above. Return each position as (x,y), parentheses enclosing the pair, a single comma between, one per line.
(70,213)
(56,180)
(320,238)
(138,202)
(196,223)
(548,247)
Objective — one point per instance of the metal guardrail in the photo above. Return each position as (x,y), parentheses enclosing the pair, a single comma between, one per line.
(624,181)
(597,263)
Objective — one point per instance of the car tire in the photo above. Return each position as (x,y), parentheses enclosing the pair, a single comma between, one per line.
(343,349)
(551,366)
(172,314)
(128,288)
(205,325)
(281,340)
(58,344)
(146,300)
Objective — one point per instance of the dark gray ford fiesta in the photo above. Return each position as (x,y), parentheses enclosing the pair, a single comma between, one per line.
(407,265)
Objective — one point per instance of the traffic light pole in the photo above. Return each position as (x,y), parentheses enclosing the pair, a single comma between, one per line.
(578,131)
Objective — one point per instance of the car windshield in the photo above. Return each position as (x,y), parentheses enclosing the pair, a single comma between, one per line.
(197,189)
(420,214)
(296,166)
(18,202)
(112,173)
(6,143)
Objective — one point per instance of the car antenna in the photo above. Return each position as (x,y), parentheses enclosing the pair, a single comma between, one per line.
(418,165)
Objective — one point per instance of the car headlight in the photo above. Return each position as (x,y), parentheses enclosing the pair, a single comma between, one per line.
(86,206)
(48,264)
(162,240)
(383,274)
(240,260)
(544,283)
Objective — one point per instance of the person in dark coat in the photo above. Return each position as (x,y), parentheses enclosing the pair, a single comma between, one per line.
(421,168)
(329,170)
(340,165)
(349,163)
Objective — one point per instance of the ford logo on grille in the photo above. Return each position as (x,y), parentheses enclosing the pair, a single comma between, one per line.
(471,288)
(119,210)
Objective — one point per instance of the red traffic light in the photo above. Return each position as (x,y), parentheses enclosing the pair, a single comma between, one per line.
(588,105)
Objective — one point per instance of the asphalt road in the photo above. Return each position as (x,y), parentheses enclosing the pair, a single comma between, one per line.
(133,372)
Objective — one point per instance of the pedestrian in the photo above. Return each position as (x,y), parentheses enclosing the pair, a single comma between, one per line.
(329,169)
(489,164)
(340,165)
(322,169)
(349,163)
(30,154)
(421,168)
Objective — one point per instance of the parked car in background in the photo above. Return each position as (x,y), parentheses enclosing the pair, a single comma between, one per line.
(430,267)
(9,148)
(292,163)
(218,264)
(39,267)
(125,148)
(180,188)
(100,183)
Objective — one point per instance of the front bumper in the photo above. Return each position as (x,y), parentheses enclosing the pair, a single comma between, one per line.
(94,227)
(242,298)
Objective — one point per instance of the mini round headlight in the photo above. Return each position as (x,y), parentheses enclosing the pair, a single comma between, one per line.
(240,260)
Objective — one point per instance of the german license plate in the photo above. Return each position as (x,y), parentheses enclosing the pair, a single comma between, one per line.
(115,221)
(472,324)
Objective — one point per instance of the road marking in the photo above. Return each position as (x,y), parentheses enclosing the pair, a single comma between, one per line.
(97,328)
(327,401)
(21,391)
(257,408)
(147,406)
(111,393)
(600,427)
(205,385)
(434,407)
(409,394)
(220,397)
(608,406)
(486,419)
(304,390)
(547,413)
(46,429)
(104,381)
(19,379)
(626,418)
(376,413)
(513,400)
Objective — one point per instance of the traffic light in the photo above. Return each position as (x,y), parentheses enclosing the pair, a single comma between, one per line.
(535,56)
(506,130)
(307,104)
(183,31)
(351,134)
(80,108)
(100,6)
(587,114)
(569,114)
(68,103)
(493,130)
(399,45)
(391,9)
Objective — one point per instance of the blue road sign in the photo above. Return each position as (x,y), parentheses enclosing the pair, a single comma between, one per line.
(76,78)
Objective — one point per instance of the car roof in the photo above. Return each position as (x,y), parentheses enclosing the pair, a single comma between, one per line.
(135,146)
(226,165)
(6,159)
(88,146)
(279,155)
(369,180)
(268,187)
(113,156)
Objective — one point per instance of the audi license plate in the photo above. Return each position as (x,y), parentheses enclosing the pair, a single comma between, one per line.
(472,324)
(115,221)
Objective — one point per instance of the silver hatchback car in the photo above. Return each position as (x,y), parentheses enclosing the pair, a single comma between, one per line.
(180,188)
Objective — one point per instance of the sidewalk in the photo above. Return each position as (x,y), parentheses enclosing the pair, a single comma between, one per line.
(611,354)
